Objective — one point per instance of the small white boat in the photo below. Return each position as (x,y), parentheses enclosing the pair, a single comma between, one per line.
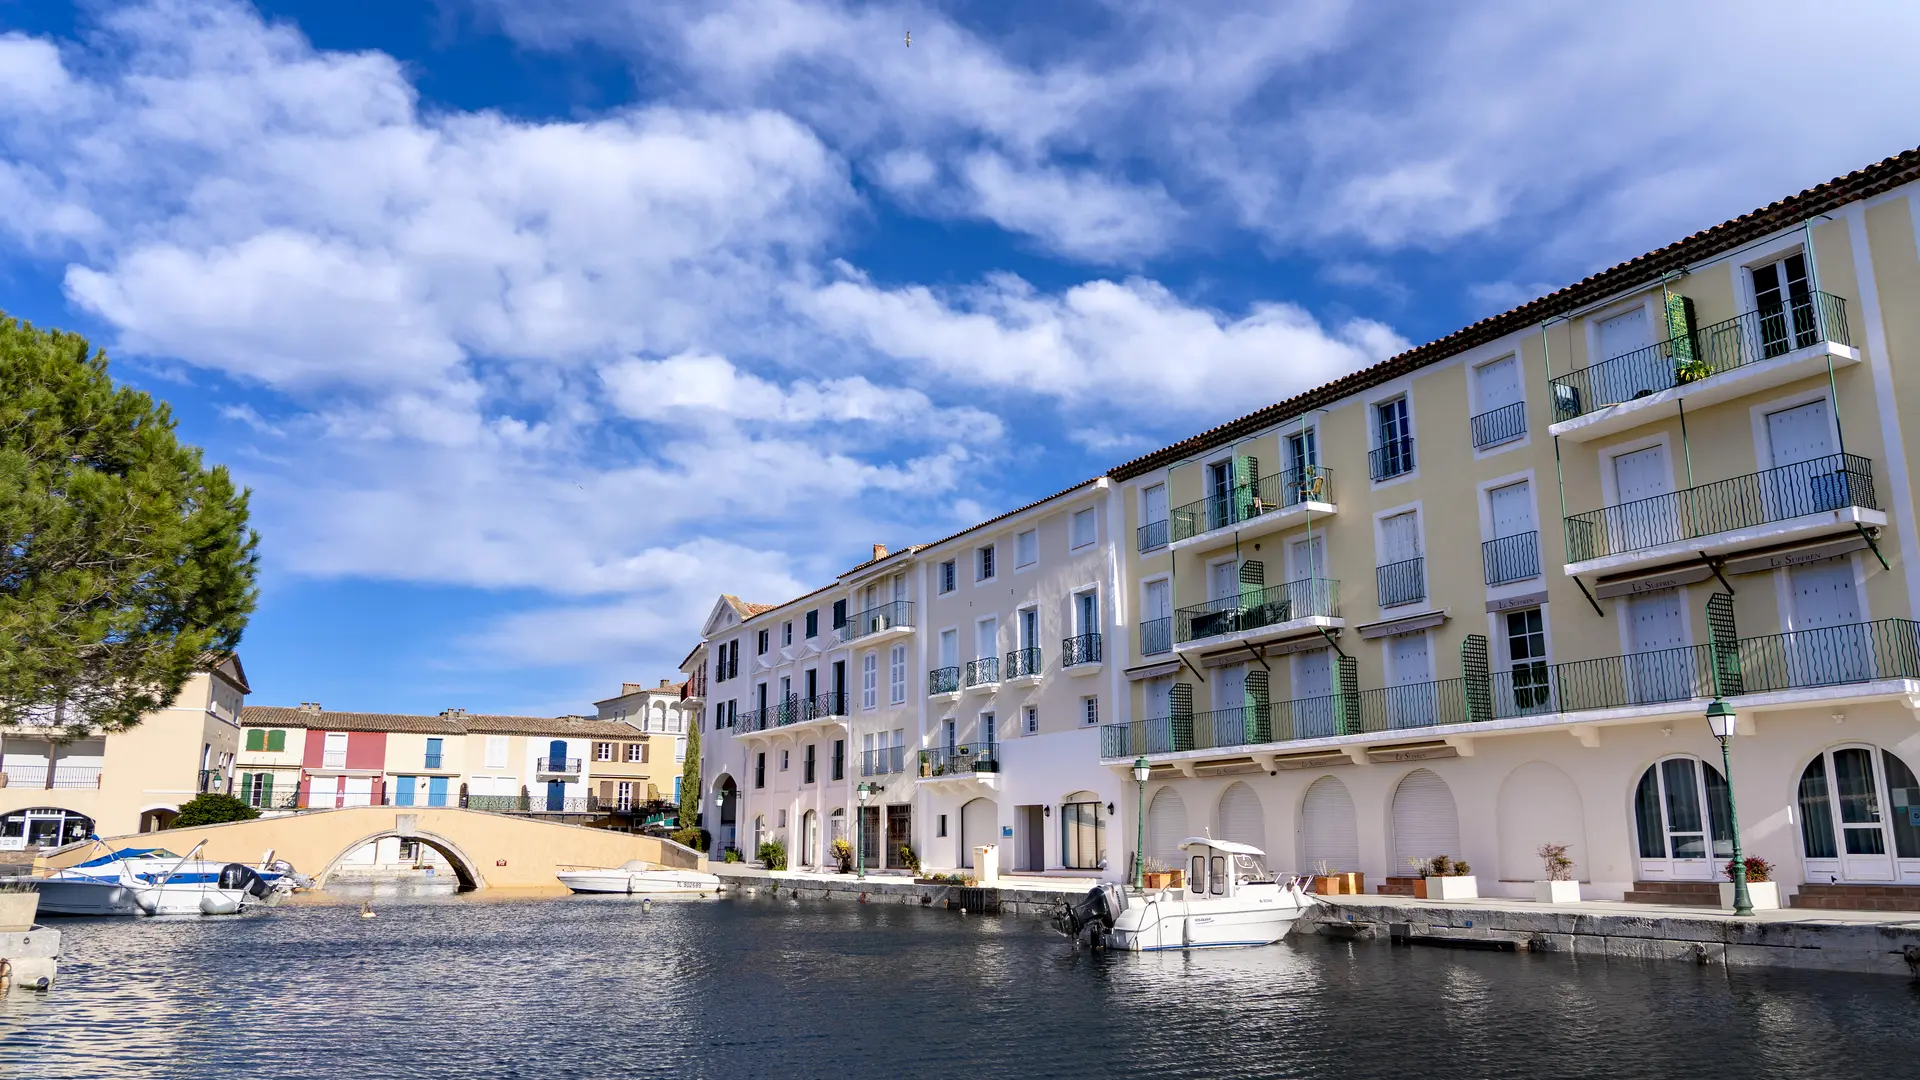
(1229,898)
(154,881)
(638,877)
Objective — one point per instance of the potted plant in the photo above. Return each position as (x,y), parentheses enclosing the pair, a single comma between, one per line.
(1450,879)
(773,854)
(1692,369)
(907,858)
(1762,890)
(1325,882)
(1420,867)
(926,763)
(18,903)
(842,852)
(1559,886)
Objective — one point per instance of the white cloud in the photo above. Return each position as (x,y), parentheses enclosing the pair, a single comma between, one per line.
(32,76)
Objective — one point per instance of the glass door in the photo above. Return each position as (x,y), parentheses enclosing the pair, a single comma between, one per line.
(1860,817)
(1682,814)
(1784,298)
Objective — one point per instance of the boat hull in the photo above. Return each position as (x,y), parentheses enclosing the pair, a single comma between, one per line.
(641,882)
(1169,921)
(76,897)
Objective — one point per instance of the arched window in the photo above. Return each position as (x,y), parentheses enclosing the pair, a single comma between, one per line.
(1857,817)
(43,827)
(1682,821)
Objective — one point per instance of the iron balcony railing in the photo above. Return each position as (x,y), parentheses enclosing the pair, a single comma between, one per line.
(984,671)
(821,706)
(1255,608)
(288,799)
(1827,483)
(1511,558)
(1256,498)
(1707,351)
(1391,458)
(875,619)
(1023,663)
(1401,582)
(558,765)
(892,759)
(960,760)
(50,777)
(1827,656)
(1152,535)
(1156,636)
(1495,426)
(943,680)
(430,761)
(754,720)
(1084,649)
(540,803)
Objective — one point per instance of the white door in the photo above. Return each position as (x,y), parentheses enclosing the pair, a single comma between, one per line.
(1030,628)
(986,639)
(1498,385)
(1425,821)
(1307,558)
(1645,514)
(1400,537)
(1512,508)
(1660,668)
(1681,817)
(1223,580)
(949,648)
(1241,818)
(1328,832)
(1230,691)
(1827,644)
(1858,822)
(1156,504)
(1156,625)
(359,791)
(1413,700)
(1312,702)
(979,824)
(1806,476)
(1628,335)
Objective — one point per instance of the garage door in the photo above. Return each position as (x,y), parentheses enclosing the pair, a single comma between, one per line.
(1166,827)
(1327,831)
(1241,818)
(979,824)
(1425,823)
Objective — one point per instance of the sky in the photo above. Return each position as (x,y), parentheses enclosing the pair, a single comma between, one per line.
(534,327)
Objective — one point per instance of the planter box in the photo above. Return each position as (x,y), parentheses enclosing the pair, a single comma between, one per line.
(1453,888)
(17,910)
(1556,892)
(1420,888)
(1356,882)
(1330,884)
(1764,894)
(1160,879)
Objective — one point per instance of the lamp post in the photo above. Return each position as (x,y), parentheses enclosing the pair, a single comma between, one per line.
(865,791)
(719,814)
(1141,770)
(1720,720)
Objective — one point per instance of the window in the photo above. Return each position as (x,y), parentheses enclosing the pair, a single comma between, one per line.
(496,751)
(1085,529)
(839,759)
(949,575)
(603,751)
(869,680)
(257,739)
(806,768)
(786,758)
(276,741)
(786,633)
(760,644)
(989,730)
(983,564)
(1527,654)
(942,831)
(1500,416)
(813,623)
(1783,294)
(636,752)
(897,675)
(1090,709)
(839,614)
(433,754)
(1026,548)
(1393,454)
(760,769)
(334,751)
(1033,721)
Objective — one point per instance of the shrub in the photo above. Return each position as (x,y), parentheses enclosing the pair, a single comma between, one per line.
(1461,869)
(1439,866)
(908,859)
(1559,866)
(732,854)
(773,854)
(212,809)
(842,852)
(697,839)
(1758,869)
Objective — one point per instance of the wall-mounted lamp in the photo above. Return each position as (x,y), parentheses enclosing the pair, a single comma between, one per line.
(1109,809)
(1046,811)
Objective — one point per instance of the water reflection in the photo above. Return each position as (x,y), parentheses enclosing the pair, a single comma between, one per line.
(491,986)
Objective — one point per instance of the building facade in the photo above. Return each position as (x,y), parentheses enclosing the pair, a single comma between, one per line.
(662,712)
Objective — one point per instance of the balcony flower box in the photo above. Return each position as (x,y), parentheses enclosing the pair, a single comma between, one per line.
(1453,887)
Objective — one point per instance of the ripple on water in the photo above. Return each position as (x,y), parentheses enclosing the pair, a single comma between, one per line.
(593,987)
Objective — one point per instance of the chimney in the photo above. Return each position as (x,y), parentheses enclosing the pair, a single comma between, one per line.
(666,684)
(453,714)
(310,707)
(879,552)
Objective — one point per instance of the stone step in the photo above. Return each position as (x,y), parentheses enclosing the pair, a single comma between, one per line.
(1396,886)
(1857,898)
(1675,893)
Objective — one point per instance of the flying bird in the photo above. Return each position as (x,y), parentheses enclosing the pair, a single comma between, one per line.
(909,39)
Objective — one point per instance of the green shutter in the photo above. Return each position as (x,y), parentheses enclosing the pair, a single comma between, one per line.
(1180,715)
(1253,583)
(1727,680)
(246,784)
(1474,679)
(256,739)
(276,741)
(1680,326)
(1246,480)
(266,789)
(1259,728)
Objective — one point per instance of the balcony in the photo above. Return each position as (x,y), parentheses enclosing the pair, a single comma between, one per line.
(1835,663)
(1392,458)
(884,762)
(1023,665)
(890,618)
(1266,505)
(1081,655)
(1402,582)
(1827,495)
(557,766)
(984,672)
(1511,558)
(1152,535)
(943,680)
(1730,359)
(52,777)
(1501,425)
(965,763)
(1156,636)
(793,710)
(1259,614)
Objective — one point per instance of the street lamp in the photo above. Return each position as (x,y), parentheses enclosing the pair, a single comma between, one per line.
(1720,720)
(865,791)
(719,814)
(1141,770)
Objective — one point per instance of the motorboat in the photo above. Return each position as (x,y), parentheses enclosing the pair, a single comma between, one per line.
(1229,898)
(155,881)
(637,877)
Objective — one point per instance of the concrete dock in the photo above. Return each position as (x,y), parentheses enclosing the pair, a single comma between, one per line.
(1012,894)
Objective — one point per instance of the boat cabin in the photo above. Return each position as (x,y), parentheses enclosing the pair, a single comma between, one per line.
(1221,867)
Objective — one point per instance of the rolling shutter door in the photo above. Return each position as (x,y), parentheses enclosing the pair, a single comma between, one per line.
(1241,818)
(979,824)
(1166,826)
(1425,823)
(1327,827)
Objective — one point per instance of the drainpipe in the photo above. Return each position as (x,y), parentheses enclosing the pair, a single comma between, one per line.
(1813,281)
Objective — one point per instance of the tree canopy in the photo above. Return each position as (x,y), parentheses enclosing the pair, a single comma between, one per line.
(212,808)
(125,563)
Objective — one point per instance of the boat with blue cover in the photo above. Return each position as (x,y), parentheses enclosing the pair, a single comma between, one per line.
(155,881)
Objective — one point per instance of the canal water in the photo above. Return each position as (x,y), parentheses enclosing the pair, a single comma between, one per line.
(584,987)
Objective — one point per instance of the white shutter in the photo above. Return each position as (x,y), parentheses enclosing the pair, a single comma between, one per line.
(987,635)
(1799,434)
(1230,687)
(1159,600)
(1313,674)
(1410,661)
(1823,595)
(1624,333)
(1656,622)
(1642,474)
(1307,558)
(1512,509)
(1241,817)
(1156,499)
(1166,826)
(1499,383)
(1425,822)
(1223,580)
(1400,537)
(1327,828)
(949,648)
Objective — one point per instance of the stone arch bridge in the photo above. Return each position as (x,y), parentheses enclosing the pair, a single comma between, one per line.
(487,850)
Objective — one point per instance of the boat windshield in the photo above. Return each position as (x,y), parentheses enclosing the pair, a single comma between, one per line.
(1250,871)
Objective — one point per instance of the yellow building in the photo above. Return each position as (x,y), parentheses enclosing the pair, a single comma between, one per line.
(55,791)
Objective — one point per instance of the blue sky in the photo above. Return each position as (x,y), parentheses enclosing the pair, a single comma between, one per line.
(534,326)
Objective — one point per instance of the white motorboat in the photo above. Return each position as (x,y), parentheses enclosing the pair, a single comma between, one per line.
(155,881)
(1229,898)
(637,877)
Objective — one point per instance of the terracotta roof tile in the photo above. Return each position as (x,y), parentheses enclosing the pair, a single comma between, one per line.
(454,724)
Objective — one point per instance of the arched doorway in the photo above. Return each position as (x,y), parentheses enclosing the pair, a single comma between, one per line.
(1539,805)
(1166,827)
(979,824)
(1328,832)
(1425,822)
(1242,819)
(43,827)
(156,818)
(1681,816)
(726,795)
(1857,817)
(1083,832)
(810,839)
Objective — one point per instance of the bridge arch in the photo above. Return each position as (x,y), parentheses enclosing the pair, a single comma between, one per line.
(464,867)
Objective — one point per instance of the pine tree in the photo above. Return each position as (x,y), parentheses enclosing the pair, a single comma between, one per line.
(124,561)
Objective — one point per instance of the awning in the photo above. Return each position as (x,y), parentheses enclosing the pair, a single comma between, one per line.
(1756,562)
(1666,577)
(1406,625)
(1152,671)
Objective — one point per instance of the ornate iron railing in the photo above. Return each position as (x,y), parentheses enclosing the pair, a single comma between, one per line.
(960,760)
(1495,426)
(557,765)
(882,762)
(1391,458)
(1255,608)
(1023,663)
(1401,582)
(943,680)
(876,619)
(1152,535)
(1511,558)
(1156,636)
(1256,498)
(983,671)
(1084,649)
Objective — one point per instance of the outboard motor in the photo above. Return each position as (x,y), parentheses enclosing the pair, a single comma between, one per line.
(1094,915)
(236,876)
